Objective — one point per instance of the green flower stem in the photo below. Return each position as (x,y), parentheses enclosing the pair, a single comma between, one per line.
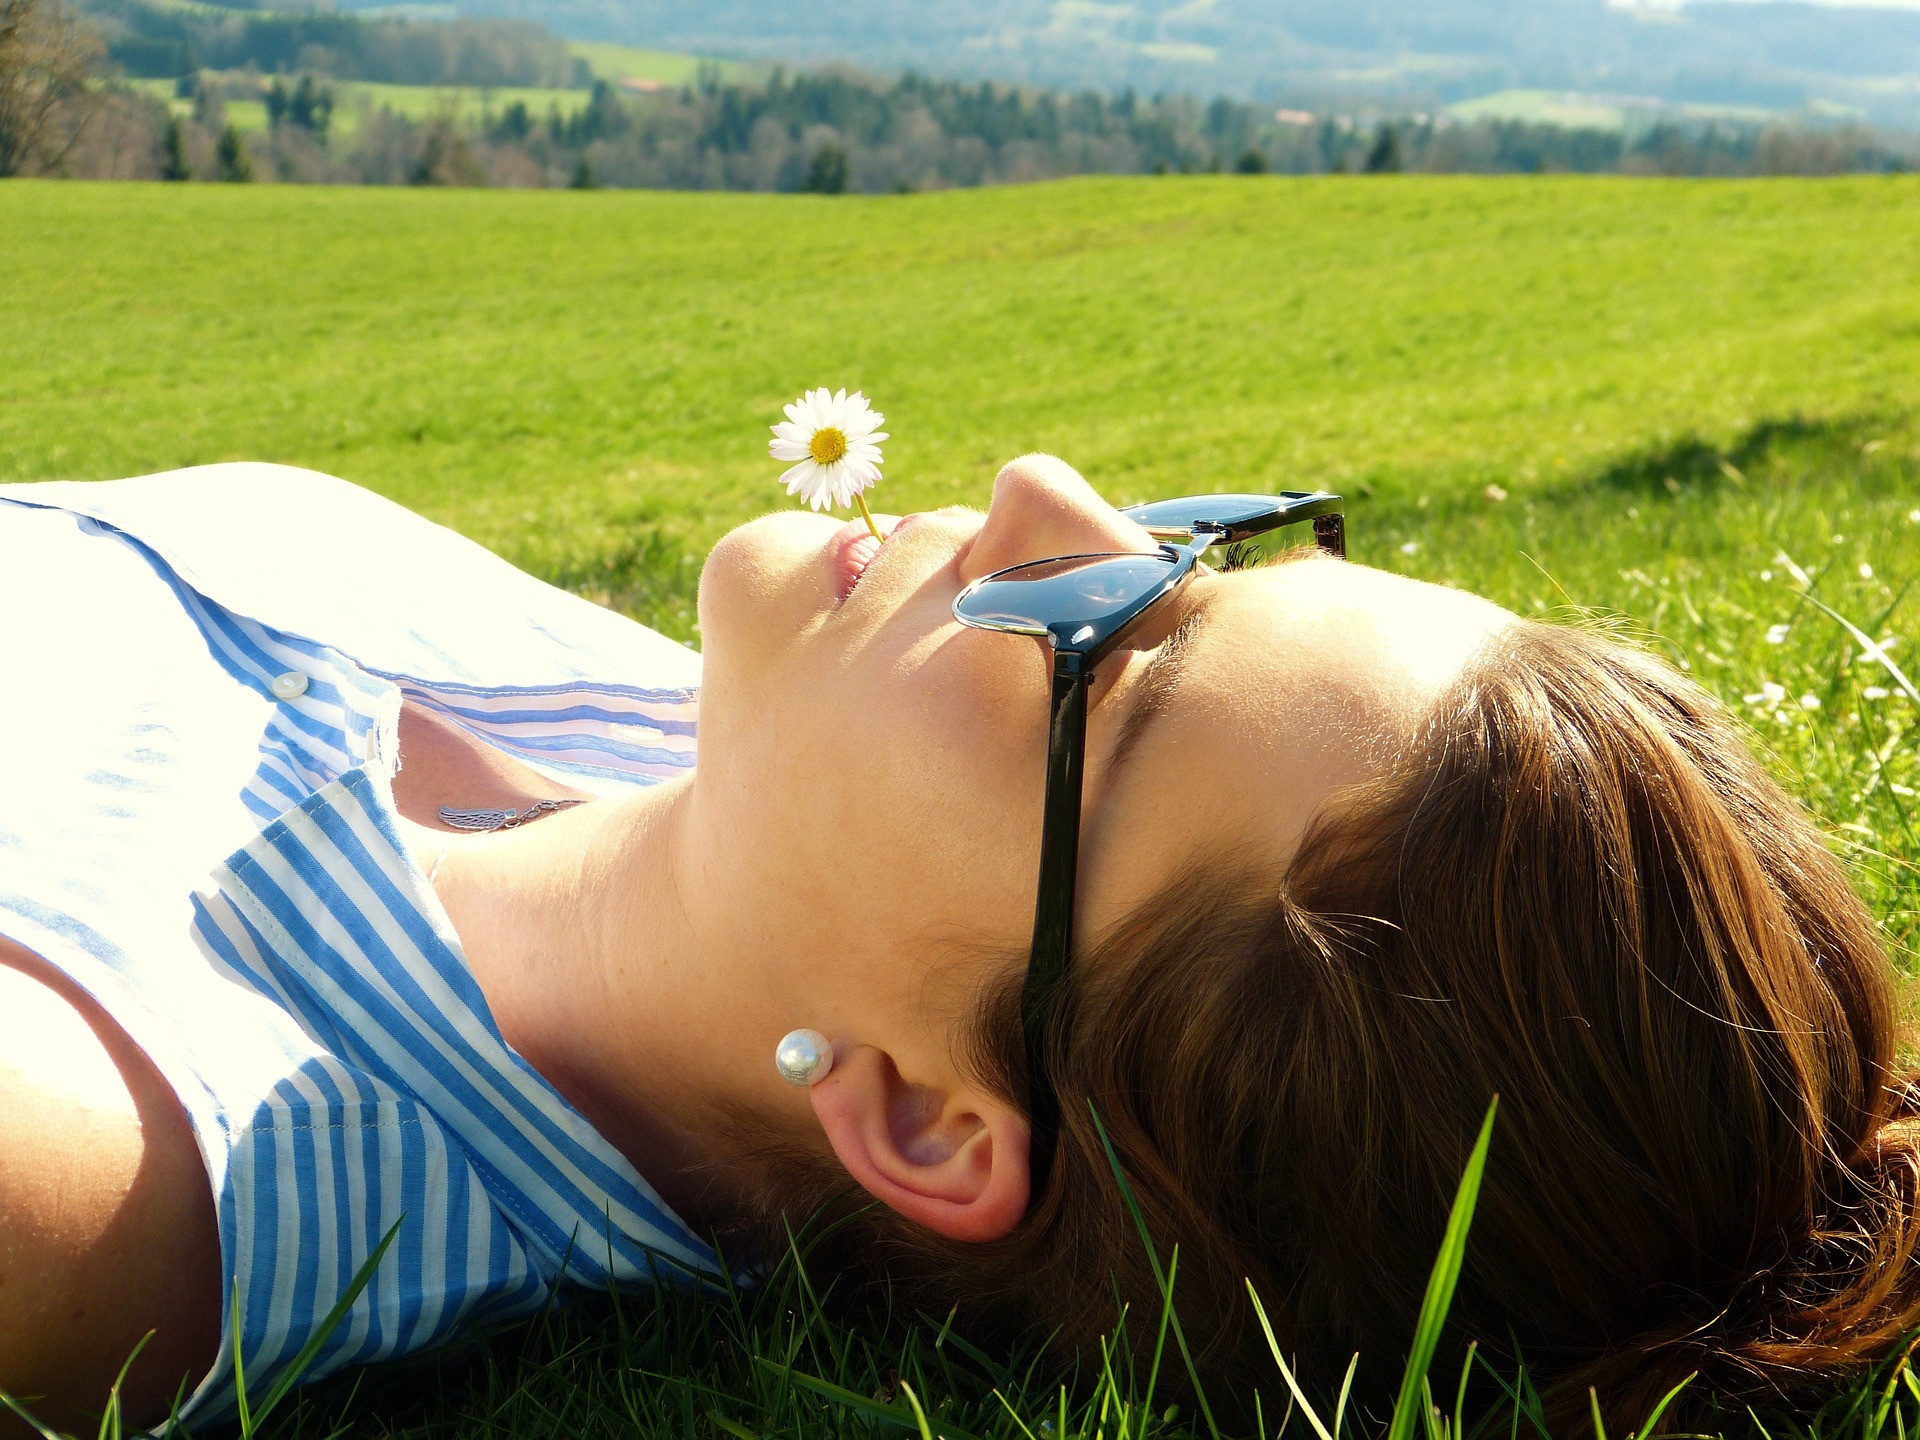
(867,515)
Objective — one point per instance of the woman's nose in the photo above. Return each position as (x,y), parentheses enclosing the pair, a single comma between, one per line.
(1042,508)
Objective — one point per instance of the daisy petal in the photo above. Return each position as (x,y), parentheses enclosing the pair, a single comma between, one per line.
(860,436)
(804,479)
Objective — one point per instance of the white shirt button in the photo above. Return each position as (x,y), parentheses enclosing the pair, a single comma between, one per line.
(290,686)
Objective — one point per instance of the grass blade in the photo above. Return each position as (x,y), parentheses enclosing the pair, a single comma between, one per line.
(919,1415)
(110,1418)
(1159,1275)
(853,1400)
(27,1419)
(731,1427)
(291,1374)
(1646,1427)
(1006,1405)
(1440,1286)
(1286,1371)
(1346,1391)
(1460,1395)
(995,1371)
(240,1370)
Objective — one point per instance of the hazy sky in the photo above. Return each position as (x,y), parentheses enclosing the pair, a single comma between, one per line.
(1676,4)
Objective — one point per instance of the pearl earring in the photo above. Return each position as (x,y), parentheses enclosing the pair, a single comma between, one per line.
(803,1057)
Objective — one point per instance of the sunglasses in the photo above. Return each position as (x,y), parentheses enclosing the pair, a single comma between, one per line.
(1084,606)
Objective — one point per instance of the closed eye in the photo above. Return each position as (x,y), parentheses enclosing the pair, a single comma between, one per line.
(1253,554)
(1161,679)
(1242,556)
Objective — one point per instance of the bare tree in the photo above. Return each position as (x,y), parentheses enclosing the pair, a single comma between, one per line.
(46,56)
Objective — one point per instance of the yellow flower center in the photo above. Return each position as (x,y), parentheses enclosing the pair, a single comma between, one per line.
(827,446)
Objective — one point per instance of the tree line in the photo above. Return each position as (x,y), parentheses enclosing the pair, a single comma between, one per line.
(156,41)
(831,131)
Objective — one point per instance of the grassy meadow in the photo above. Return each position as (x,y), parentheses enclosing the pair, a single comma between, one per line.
(474,104)
(1694,407)
(615,63)
(356,99)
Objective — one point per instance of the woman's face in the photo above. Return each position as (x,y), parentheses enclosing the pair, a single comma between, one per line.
(871,772)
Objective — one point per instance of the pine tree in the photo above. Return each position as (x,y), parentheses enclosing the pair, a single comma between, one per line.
(827,175)
(1384,158)
(174,153)
(235,164)
(311,108)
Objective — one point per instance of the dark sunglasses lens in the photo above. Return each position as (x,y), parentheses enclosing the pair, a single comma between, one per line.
(1087,589)
(1228,510)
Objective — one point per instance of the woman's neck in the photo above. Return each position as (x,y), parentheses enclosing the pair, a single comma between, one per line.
(601,976)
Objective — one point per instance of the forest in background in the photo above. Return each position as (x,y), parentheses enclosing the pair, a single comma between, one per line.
(158,93)
(154,40)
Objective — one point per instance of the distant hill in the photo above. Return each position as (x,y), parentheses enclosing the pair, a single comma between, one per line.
(176,37)
(1786,56)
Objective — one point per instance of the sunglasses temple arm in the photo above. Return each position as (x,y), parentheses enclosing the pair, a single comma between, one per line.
(1059,863)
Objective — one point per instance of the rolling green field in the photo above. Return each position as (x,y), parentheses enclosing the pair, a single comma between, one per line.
(1595,112)
(471,104)
(1688,405)
(633,62)
(355,98)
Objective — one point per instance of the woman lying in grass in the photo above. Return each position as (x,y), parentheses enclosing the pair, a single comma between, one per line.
(288,972)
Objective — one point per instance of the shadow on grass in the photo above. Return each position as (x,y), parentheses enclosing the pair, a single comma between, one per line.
(650,576)
(1870,453)
(1765,447)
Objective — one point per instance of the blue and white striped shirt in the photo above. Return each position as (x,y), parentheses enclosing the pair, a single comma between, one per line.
(201,676)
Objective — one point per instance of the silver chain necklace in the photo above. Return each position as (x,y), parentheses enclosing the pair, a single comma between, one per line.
(482,820)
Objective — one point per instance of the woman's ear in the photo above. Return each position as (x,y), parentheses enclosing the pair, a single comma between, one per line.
(953,1162)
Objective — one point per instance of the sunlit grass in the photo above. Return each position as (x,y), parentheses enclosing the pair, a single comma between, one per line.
(615,63)
(356,100)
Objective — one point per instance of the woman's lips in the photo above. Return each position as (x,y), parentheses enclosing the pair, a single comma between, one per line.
(853,548)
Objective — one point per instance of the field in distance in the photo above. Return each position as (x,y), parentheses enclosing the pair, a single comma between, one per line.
(627,66)
(615,63)
(1577,111)
(352,99)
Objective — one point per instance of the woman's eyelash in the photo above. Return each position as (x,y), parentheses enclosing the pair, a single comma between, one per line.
(1242,556)
(1253,555)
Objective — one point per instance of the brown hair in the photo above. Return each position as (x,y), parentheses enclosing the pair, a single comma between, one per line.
(1579,890)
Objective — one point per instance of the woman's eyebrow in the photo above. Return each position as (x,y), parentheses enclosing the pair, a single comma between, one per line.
(1161,679)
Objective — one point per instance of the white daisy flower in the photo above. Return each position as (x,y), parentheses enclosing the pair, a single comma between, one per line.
(836,438)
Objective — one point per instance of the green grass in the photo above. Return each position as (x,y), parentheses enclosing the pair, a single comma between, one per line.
(468,104)
(472,103)
(352,98)
(1692,405)
(1596,112)
(669,67)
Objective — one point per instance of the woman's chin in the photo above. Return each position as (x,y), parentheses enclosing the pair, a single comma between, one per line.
(764,580)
